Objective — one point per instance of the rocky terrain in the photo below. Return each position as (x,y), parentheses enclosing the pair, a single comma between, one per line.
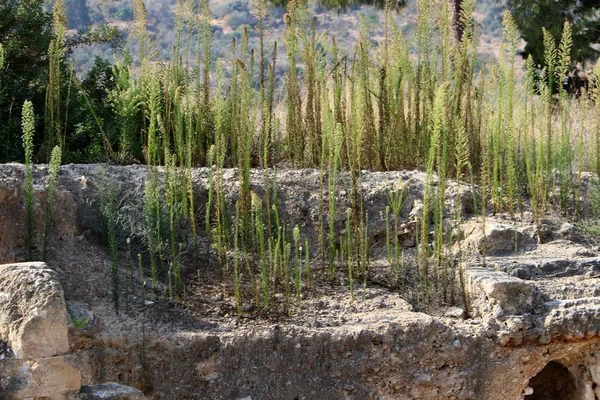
(529,330)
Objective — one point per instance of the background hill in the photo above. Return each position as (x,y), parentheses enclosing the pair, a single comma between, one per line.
(231,16)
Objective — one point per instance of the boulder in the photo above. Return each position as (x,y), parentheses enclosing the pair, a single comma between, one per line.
(33,319)
(56,376)
(499,239)
(53,378)
(497,289)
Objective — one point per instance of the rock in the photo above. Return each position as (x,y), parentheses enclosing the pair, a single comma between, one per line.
(12,212)
(16,381)
(53,378)
(56,376)
(33,318)
(583,252)
(454,312)
(110,391)
(571,319)
(5,351)
(566,230)
(498,289)
(501,239)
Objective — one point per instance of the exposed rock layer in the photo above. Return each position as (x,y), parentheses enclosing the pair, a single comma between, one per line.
(534,312)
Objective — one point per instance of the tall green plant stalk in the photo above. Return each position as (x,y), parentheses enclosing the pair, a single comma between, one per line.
(28,125)
(396,259)
(294,128)
(297,266)
(566,148)
(435,149)
(53,124)
(153,226)
(510,43)
(462,163)
(307,268)
(349,252)
(236,264)
(335,146)
(259,234)
(287,249)
(55,160)
(549,74)
(125,99)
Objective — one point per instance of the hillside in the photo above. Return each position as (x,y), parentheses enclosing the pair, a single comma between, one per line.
(230,18)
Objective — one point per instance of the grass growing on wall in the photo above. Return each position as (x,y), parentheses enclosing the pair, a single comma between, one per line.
(396,103)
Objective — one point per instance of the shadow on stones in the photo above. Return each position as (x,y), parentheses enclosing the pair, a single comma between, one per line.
(554,382)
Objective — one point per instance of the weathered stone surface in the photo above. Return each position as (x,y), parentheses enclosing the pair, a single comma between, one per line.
(491,288)
(53,378)
(16,381)
(32,311)
(499,239)
(110,391)
(344,349)
(56,375)
(573,319)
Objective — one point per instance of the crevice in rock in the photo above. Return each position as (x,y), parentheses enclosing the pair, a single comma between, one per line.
(553,382)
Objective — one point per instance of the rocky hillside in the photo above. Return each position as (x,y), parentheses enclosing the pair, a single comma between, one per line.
(230,18)
(524,323)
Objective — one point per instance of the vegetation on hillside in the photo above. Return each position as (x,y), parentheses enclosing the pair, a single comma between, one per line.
(393,103)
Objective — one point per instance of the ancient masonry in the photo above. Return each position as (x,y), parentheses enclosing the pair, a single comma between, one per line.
(532,333)
(35,362)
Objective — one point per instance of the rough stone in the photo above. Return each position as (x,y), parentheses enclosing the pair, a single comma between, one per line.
(56,376)
(498,289)
(500,239)
(32,311)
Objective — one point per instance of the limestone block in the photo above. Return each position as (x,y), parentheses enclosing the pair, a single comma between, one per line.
(512,294)
(33,317)
(56,375)
(16,381)
(500,239)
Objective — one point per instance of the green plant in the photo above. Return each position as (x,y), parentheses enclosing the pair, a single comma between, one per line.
(334,143)
(53,124)
(297,266)
(259,234)
(77,322)
(108,208)
(395,256)
(28,124)
(349,252)
(153,225)
(55,160)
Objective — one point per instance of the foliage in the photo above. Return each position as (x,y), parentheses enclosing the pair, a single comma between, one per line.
(395,103)
(25,33)
(28,125)
(55,161)
(532,15)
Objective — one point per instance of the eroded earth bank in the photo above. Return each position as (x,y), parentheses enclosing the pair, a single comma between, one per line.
(529,328)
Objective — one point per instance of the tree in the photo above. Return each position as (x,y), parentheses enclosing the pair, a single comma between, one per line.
(533,15)
(25,33)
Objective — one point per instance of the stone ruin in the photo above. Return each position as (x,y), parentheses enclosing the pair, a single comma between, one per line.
(532,329)
(35,362)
